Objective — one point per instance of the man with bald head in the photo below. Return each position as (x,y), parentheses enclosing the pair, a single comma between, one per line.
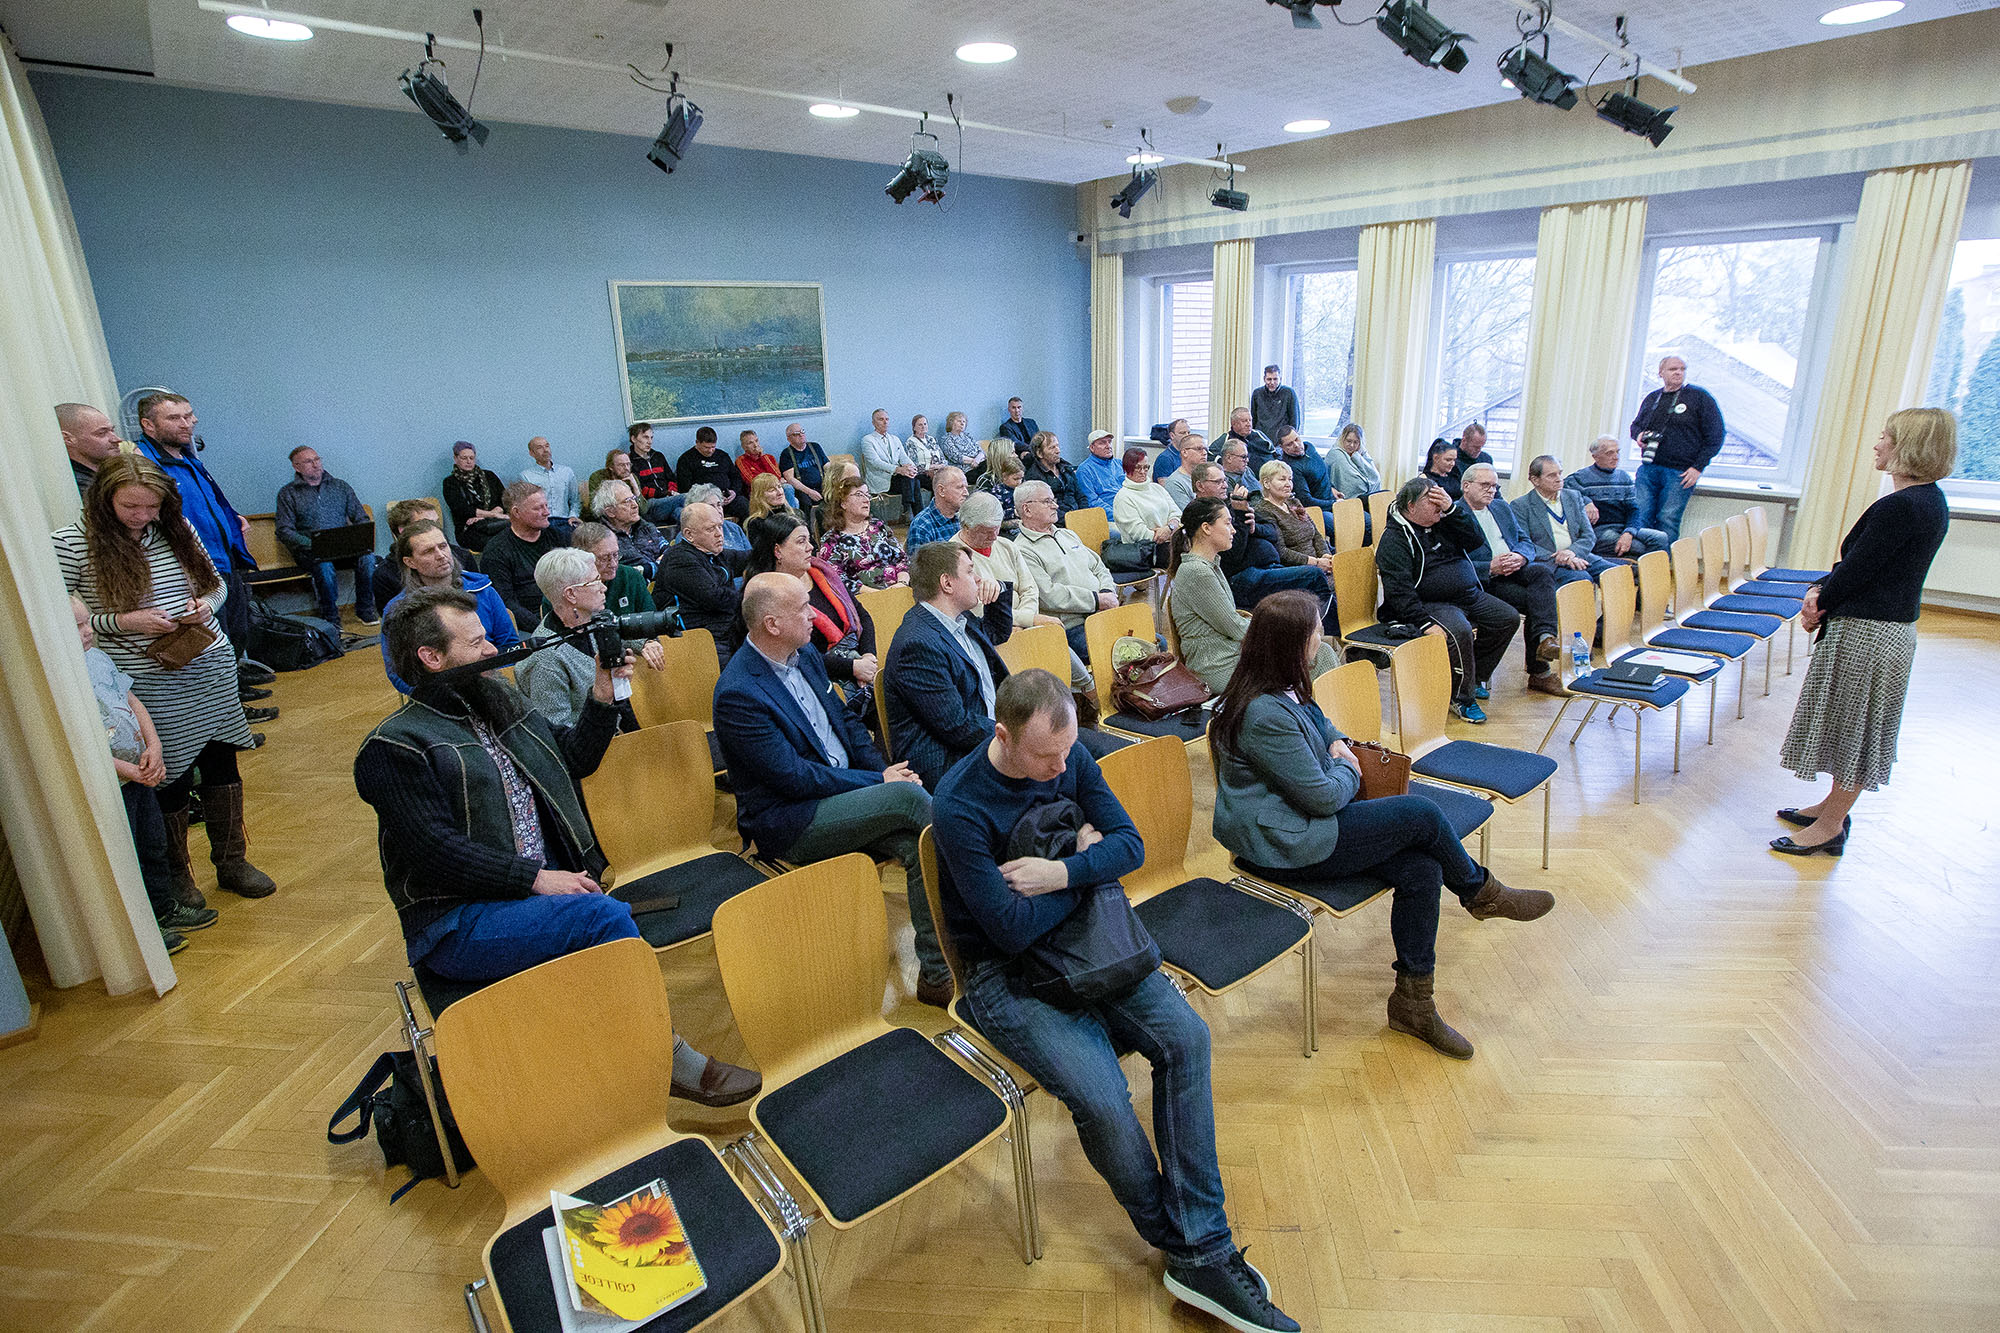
(698,576)
(1679,429)
(809,782)
(88,438)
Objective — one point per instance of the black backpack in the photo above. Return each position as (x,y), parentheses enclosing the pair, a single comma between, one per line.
(291,643)
(390,1099)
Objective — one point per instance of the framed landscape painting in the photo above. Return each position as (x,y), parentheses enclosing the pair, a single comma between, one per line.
(704,351)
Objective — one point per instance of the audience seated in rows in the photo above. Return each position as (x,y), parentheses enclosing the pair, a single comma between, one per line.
(558,483)
(1239,468)
(658,491)
(389,571)
(1254,563)
(617,467)
(1553,517)
(640,544)
(734,538)
(1144,517)
(1519,573)
(1312,484)
(1170,456)
(1044,463)
(998,558)
(942,665)
(1429,583)
(961,449)
(510,555)
(1071,580)
(803,466)
(558,680)
(315,500)
(1610,499)
(428,560)
(752,462)
(860,546)
(475,497)
(843,631)
(1017,430)
(709,465)
(1441,468)
(1301,541)
(1181,464)
(886,464)
(698,576)
(939,520)
(768,495)
(1257,447)
(626,591)
(1003,474)
(1202,604)
(1101,475)
(1349,468)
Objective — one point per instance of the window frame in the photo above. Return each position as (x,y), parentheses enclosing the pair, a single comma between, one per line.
(1282,275)
(1434,358)
(1982,497)
(1162,394)
(1795,447)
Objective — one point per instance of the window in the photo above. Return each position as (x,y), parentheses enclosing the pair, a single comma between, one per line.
(1483,349)
(1320,362)
(1965,376)
(1187,313)
(1737,312)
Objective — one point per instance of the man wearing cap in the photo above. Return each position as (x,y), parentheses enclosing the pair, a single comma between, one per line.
(1100,475)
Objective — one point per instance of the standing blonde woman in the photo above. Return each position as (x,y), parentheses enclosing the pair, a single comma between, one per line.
(139,569)
(1851,705)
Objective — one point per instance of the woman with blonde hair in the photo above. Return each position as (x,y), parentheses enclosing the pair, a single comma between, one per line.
(767,496)
(137,566)
(1865,610)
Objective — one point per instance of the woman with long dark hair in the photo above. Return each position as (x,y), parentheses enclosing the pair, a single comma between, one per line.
(1441,468)
(1285,789)
(843,631)
(138,567)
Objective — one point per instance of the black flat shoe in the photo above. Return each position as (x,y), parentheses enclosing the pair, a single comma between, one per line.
(1833,846)
(1799,819)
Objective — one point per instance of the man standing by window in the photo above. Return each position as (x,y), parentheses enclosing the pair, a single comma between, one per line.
(1679,429)
(1274,408)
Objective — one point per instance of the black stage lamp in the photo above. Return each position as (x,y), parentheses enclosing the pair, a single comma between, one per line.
(683,119)
(924,169)
(427,90)
(1135,190)
(1302,10)
(1537,80)
(1633,116)
(1236,201)
(1422,36)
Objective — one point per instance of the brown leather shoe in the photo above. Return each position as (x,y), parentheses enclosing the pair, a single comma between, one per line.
(1548,683)
(1496,899)
(722,1084)
(1413,1012)
(1548,648)
(937,994)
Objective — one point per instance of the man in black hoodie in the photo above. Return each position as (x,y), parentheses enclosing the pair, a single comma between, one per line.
(1428,579)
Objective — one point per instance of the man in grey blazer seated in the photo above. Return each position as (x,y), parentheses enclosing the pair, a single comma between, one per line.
(1553,517)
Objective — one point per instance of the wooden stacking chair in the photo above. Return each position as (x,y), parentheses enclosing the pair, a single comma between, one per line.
(420,1002)
(1715,594)
(1690,613)
(1356,594)
(549,1099)
(886,607)
(1036,646)
(1576,613)
(1760,552)
(1421,670)
(1093,528)
(1350,696)
(860,1113)
(1378,511)
(1347,523)
(1218,936)
(683,688)
(655,801)
(1101,630)
(1657,630)
(1619,591)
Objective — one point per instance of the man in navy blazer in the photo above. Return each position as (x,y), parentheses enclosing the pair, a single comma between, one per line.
(809,782)
(1516,571)
(942,670)
(1552,517)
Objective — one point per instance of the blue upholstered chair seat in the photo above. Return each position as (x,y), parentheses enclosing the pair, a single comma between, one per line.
(1462,810)
(735,1248)
(1703,641)
(1219,935)
(876,1122)
(1187,727)
(1734,622)
(1374,636)
(704,884)
(1666,691)
(441,992)
(1795,592)
(1795,575)
(1342,895)
(1495,768)
(1782,607)
(1126,577)
(1705,673)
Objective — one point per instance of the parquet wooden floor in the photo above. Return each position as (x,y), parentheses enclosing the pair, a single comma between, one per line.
(1714,1089)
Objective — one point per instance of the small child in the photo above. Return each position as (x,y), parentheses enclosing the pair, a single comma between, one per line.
(135,753)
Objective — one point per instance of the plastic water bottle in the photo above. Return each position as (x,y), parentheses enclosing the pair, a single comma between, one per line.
(1579,654)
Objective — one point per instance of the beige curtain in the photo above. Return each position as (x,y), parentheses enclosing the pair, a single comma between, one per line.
(1898,267)
(1579,330)
(1391,338)
(1231,336)
(1107,344)
(59,800)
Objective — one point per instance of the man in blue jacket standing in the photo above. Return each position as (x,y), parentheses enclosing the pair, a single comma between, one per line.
(1680,431)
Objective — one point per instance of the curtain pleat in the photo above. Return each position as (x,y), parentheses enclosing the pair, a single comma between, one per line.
(1231,337)
(1107,343)
(1891,303)
(1391,337)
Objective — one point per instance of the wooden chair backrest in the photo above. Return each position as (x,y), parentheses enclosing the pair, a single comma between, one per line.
(1620,592)
(543,1098)
(1378,510)
(1036,646)
(1736,534)
(882,702)
(1101,629)
(1091,526)
(1152,781)
(683,689)
(803,958)
(1656,590)
(927,862)
(1167,625)
(1351,697)
(886,607)
(1349,522)
(1760,539)
(664,771)
(1354,588)
(1686,560)
(1714,562)
(1576,613)
(1420,676)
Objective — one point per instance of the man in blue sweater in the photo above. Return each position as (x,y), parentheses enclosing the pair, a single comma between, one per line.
(997,905)
(1680,430)
(1101,474)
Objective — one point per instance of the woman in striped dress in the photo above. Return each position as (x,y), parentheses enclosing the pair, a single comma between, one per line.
(139,568)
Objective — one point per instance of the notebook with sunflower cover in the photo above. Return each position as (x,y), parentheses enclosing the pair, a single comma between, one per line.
(629,1258)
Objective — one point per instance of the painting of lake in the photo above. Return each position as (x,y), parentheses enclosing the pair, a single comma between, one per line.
(690,351)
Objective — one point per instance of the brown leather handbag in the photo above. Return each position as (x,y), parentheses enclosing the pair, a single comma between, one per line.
(1384,772)
(176,648)
(1156,687)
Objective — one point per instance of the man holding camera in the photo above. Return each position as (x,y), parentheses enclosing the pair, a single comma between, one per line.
(486,850)
(1679,429)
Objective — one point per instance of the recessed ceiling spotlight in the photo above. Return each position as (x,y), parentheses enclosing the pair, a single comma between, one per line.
(833,111)
(986,53)
(1867,12)
(1306,126)
(1144,159)
(279,30)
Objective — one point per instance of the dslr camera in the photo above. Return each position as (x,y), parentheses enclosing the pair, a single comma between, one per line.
(604,634)
(1649,444)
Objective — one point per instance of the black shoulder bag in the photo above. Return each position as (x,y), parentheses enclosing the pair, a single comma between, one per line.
(1098,953)
(391,1100)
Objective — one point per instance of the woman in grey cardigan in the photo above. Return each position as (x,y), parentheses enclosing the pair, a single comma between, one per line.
(1203,608)
(1285,788)
(557,680)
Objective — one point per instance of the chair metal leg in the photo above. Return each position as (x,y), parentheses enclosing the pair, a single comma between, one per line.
(1769,647)
(1588,714)
(1546,788)
(1486,843)
(1638,733)
(793,1224)
(1677,735)
(1714,688)
(419,1038)
(1791,641)
(1026,1205)
(1554,722)
(1742,683)
(473,1311)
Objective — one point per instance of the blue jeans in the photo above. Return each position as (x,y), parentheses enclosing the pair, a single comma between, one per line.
(326,588)
(666,509)
(149,840)
(496,939)
(1658,500)
(883,820)
(1644,541)
(1174,1199)
(1407,841)
(1252,586)
(1593,565)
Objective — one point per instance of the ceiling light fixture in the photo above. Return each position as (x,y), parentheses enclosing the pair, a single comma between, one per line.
(833,111)
(1144,159)
(1530,73)
(986,53)
(683,116)
(1422,36)
(1309,126)
(1633,116)
(271,30)
(1228,196)
(428,91)
(923,170)
(1143,179)
(1862,13)
(1302,10)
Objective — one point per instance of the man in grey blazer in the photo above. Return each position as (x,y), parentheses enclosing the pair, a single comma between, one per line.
(1552,515)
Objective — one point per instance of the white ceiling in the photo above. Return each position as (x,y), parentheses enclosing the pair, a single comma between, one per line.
(1081,63)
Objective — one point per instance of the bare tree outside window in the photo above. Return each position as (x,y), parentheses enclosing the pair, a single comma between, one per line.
(1187,317)
(1322,307)
(1483,361)
(1965,373)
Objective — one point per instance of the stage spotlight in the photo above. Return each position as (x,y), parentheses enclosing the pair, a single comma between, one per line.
(1143,179)
(1302,10)
(1633,116)
(1537,80)
(427,90)
(924,169)
(1234,200)
(1422,36)
(683,120)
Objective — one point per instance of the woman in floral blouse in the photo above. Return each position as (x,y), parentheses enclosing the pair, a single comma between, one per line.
(863,549)
(959,448)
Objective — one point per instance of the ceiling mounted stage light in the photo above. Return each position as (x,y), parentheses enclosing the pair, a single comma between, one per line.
(271,30)
(1537,80)
(683,120)
(1228,196)
(1867,12)
(1633,116)
(1143,179)
(1310,126)
(923,170)
(833,111)
(986,53)
(428,91)
(1302,10)
(1422,36)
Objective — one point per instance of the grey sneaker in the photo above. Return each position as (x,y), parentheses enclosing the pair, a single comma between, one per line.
(184,918)
(1233,1292)
(174,940)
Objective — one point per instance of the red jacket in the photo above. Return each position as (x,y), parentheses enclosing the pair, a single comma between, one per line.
(750,468)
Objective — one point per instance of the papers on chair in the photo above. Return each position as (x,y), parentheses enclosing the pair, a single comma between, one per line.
(574,1320)
(1682,664)
(623,1262)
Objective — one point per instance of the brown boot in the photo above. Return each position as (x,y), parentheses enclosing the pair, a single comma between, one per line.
(1496,899)
(186,892)
(229,844)
(1412,1012)
(1086,708)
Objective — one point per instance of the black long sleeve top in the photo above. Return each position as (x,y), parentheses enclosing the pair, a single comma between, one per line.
(1886,555)
(1689,422)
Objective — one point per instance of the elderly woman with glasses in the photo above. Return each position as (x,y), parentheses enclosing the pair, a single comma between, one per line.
(557,680)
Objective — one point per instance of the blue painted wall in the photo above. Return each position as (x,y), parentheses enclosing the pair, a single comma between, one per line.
(341,277)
